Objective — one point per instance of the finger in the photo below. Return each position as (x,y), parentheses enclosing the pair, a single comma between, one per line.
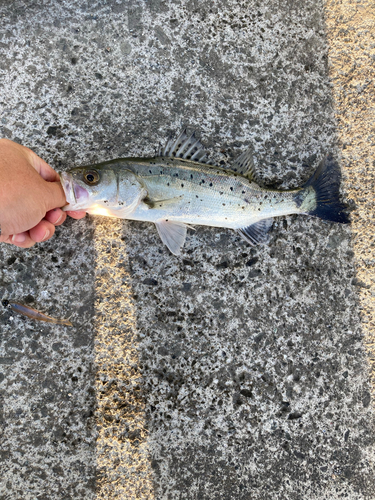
(43,168)
(76,214)
(21,240)
(55,216)
(42,231)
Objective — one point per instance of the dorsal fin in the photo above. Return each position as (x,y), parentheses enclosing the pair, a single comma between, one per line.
(186,147)
(244,165)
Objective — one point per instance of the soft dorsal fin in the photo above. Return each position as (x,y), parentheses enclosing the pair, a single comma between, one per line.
(256,233)
(244,165)
(186,147)
(172,234)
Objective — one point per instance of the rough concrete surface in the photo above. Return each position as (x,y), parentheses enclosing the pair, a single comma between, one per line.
(229,372)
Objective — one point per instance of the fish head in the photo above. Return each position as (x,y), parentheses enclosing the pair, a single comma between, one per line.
(100,189)
(85,186)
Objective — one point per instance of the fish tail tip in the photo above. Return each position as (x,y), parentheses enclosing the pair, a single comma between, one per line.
(326,185)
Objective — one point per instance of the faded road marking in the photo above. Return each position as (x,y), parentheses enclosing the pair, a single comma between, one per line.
(351,39)
(124,469)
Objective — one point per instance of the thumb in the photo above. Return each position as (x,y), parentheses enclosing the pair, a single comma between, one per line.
(54,195)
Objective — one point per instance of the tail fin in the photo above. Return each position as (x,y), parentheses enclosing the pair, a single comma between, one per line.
(326,184)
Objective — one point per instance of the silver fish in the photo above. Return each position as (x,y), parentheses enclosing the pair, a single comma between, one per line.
(177,188)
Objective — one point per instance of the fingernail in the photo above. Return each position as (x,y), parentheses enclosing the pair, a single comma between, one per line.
(18,238)
(59,219)
(46,234)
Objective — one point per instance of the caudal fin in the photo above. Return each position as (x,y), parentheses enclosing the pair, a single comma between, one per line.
(326,185)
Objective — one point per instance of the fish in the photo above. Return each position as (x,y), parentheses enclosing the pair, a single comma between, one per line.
(34,314)
(179,187)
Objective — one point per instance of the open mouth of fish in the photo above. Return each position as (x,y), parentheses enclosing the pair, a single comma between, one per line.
(76,196)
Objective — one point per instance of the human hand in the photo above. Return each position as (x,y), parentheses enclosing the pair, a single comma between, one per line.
(30,197)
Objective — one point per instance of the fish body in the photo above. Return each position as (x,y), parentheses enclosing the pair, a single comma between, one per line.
(34,314)
(174,190)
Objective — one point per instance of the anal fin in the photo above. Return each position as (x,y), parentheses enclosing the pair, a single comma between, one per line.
(256,233)
(172,234)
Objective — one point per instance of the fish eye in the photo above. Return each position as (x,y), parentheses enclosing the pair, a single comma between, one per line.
(91,177)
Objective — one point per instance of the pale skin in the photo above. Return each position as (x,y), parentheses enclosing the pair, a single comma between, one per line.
(31,197)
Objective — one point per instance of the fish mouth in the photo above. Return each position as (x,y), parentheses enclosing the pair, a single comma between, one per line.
(76,196)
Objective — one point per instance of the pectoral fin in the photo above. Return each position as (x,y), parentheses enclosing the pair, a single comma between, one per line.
(172,234)
(162,203)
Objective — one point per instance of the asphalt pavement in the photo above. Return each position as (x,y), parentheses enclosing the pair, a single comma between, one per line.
(229,372)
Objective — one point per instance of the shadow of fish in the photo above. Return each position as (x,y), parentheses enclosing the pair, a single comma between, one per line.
(179,187)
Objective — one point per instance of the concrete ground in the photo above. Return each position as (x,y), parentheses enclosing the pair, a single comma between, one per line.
(229,372)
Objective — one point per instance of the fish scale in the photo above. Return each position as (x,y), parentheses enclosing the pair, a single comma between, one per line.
(174,191)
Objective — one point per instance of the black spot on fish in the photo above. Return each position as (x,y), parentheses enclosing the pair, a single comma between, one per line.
(196,196)
(176,175)
(182,185)
(243,192)
(221,192)
(167,183)
(223,204)
(191,176)
(150,171)
(231,188)
(210,184)
(202,181)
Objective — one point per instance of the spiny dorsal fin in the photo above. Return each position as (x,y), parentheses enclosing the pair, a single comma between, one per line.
(256,233)
(186,147)
(244,165)
(172,234)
